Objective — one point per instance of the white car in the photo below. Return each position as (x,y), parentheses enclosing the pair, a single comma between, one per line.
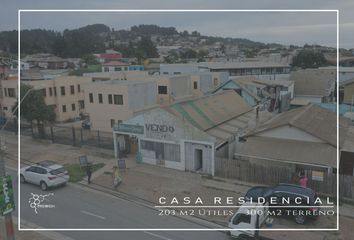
(45,174)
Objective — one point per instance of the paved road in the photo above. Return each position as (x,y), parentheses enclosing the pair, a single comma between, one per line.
(77,208)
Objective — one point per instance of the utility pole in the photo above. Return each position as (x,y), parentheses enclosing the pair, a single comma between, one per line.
(7,217)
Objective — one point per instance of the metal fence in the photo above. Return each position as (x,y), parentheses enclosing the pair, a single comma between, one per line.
(72,136)
(271,175)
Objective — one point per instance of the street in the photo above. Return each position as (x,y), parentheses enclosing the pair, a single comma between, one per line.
(76,208)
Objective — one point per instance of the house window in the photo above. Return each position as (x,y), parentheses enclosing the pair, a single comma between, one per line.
(62,91)
(5,108)
(64,108)
(117,69)
(100,98)
(11,92)
(44,92)
(78,88)
(73,107)
(176,73)
(215,81)
(55,91)
(110,100)
(120,121)
(195,85)
(112,123)
(50,91)
(81,104)
(91,97)
(118,99)
(5,90)
(162,89)
(106,69)
(72,89)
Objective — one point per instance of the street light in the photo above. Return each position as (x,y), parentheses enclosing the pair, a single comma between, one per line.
(8,217)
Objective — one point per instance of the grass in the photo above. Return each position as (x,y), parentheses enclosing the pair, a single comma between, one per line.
(77,173)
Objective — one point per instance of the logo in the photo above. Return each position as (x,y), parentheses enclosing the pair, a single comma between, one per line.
(36,201)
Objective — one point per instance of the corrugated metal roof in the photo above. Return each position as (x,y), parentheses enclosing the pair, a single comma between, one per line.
(289,150)
(312,119)
(209,111)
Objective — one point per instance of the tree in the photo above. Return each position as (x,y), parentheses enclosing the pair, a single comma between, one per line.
(307,58)
(148,47)
(33,108)
(90,59)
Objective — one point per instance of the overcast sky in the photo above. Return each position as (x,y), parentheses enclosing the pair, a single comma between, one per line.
(286,28)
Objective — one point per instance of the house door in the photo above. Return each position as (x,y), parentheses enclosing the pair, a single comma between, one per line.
(198,159)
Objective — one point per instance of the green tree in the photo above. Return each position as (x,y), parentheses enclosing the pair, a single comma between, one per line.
(90,59)
(34,109)
(148,47)
(308,58)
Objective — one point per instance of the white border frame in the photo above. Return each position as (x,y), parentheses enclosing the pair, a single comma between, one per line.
(171,10)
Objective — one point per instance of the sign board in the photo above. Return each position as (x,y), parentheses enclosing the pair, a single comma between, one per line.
(317,176)
(7,203)
(83,161)
(122,164)
(128,128)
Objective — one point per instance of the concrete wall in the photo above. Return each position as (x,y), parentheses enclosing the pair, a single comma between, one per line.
(142,95)
(348,93)
(175,69)
(180,86)
(102,113)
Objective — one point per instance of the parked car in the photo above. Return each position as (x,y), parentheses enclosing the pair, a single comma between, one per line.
(45,174)
(86,124)
(289,192)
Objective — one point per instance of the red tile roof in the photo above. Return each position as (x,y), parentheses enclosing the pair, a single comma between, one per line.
(115,63)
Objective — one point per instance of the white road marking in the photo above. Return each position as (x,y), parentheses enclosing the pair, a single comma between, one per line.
(157,235)
(92,214)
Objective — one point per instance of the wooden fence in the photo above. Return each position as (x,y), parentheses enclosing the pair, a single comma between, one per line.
(271,175)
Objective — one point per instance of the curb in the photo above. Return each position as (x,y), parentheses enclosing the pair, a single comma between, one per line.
(145,203)
(31,228)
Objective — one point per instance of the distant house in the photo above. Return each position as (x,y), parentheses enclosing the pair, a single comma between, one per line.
(258,69)
(275,93)
(303,138)
(115,66)
(46,61)
(313,86)
(347,91)
(108,56)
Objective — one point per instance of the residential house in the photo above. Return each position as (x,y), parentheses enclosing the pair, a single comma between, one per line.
(187,135)
(299,139)
(108,56)
(313,86)
(346,92)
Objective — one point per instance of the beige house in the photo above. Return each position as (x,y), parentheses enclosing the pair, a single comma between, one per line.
(65,94)
(172,88)
(8,96)
(114,101)
(347,90)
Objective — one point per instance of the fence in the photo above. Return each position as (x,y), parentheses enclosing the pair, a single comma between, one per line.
(271,175)
(72,136)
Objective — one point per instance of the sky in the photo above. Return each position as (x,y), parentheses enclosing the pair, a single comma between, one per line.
(282,27)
